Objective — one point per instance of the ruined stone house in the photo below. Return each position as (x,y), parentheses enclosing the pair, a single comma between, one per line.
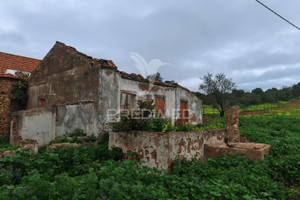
(69,90)
(10,67)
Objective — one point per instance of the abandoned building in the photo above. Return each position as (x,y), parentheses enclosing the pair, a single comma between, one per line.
(11,66)
(69,90)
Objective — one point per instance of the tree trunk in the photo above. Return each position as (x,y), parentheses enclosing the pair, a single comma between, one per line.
(222,112)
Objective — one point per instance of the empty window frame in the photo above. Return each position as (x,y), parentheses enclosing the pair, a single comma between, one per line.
(127,101)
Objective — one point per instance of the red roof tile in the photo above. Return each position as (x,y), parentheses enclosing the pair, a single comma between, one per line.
(15,62)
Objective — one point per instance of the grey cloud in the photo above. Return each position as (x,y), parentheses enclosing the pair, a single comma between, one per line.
(194,36)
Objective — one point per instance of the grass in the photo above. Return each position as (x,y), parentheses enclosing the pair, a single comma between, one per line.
(209,110)
(292,111)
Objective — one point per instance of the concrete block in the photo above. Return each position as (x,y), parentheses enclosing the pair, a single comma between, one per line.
(252,151)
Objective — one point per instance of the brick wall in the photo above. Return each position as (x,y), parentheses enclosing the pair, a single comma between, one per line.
(5,87)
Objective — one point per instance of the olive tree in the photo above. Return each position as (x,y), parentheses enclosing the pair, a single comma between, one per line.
(219,88)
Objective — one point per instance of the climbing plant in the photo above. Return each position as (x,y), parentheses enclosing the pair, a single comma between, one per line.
(19,94)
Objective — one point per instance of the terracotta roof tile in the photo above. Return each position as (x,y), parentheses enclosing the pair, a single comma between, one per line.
(15,62)
(103,62)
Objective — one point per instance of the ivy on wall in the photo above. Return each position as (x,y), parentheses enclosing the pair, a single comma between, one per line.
(19,94)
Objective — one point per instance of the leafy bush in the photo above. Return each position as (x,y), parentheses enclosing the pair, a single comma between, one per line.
(187,127)
(77,133)
(156,124)
(60,139)
(146,107)
(19,94)
(130,122)
(90,138)
(65,187)
(76,140)
(9,148)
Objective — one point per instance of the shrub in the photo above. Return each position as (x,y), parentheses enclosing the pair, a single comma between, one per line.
(77,133)
(130,122)
(156,124)
(38,188)
(76,140)
(19,94)
(90,138)
(60,139)
(65,187)
(146,107)
(187,127)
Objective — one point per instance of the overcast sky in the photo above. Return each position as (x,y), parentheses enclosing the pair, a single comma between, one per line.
(238,37)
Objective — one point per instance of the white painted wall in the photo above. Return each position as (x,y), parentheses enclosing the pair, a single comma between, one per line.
(72,117)
(37,124)
(113,84)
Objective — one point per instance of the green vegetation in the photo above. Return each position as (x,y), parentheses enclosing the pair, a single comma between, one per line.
(293,111)
(218,89)
(60,139)
(209,110)
(19,94)
(141,120)
(8,147)
(90,138)
(77,133)
(128,123)
(98,173)
(257,99)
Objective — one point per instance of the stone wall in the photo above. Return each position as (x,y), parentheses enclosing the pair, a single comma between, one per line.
(68,81)
(72,117)
(35,124)
(5,87)
(232,124)
(159,149)
(64,77)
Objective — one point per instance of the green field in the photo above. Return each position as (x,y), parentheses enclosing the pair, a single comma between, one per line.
(209,110)
(96,173)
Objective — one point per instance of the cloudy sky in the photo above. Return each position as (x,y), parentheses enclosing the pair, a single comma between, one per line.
(238,37)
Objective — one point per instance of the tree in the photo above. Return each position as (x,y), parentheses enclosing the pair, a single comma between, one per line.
(236,96)
(155,77)
(296,90)
(219,87)
(172,81)
(272,95)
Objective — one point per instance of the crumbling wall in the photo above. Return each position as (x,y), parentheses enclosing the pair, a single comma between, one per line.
(113,84)
(142,89)
(71,117)
(35,124)
(232,141)
(5,88)
(68,80)
(160,149)
(191,144)
(110,97)
(232,129)
(194,105)
(64,77)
